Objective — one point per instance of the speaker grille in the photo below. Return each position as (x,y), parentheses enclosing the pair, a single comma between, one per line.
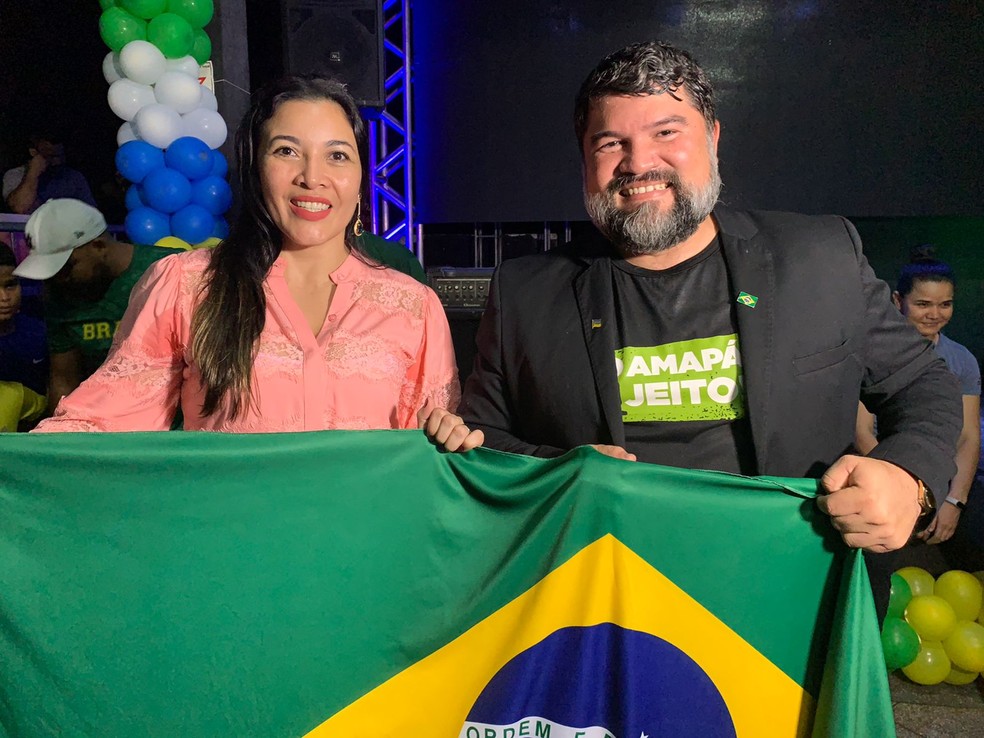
(337,38)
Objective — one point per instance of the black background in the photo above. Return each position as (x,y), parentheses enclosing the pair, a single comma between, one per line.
(847,106)
(851,106)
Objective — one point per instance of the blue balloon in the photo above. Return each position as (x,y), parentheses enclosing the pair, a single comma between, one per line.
(167,190)
(189,155)
(221,229)
(213,194)
(220,167)
(192,223)
(146,225)
(134,199)
(136,159)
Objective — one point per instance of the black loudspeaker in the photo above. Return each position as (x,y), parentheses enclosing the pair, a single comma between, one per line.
(337,38)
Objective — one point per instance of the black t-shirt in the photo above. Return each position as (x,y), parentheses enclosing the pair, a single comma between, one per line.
(679,365)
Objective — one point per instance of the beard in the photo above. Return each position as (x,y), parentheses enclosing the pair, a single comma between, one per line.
(92,290)
(645,229)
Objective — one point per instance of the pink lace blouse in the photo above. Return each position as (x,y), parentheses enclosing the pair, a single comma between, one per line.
(384,349)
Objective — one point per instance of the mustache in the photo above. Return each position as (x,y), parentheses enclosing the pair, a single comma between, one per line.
(654,175)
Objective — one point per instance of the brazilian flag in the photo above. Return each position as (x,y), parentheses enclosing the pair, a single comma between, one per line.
(366,584)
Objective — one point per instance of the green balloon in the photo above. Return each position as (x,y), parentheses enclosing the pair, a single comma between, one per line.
(118,28)
(899,597)
(197,12)
(201,47)
(144,8)
(171,34)
(107,4)
(899,642)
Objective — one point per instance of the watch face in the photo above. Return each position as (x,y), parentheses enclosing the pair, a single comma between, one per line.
(925,497)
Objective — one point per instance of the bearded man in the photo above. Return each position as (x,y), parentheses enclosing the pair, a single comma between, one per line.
(691,335)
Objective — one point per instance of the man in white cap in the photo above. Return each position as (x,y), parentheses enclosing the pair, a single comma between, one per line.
(89,276)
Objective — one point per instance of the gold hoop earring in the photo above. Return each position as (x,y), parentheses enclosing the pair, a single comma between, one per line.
(357,228)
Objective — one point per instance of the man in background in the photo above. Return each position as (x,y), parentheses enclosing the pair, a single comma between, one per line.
(23,346)
(394,255)
(44,176)
(89,275)
(23,354)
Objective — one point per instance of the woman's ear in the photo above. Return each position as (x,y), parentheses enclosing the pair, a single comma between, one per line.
(897,299)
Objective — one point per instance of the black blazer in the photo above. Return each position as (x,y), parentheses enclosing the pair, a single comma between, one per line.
(823,334)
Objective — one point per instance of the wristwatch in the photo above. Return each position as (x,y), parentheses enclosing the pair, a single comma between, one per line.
(959,504)
(927,505)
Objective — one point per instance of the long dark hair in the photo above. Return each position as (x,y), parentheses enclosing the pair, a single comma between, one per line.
(923,266)
(229,319)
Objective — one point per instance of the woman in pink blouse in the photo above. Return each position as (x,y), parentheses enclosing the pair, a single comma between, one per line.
(284,326)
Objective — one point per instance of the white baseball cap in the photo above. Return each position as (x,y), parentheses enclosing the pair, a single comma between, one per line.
(54,230)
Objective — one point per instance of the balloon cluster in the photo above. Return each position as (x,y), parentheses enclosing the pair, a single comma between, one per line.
(934,630)
(171,131)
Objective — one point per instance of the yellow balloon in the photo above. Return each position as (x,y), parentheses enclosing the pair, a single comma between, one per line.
(931,617)
(963,591)
(931,666)
(208,243)
(920,581)
(173,242)
(980,577)
(965,646)
(959,676)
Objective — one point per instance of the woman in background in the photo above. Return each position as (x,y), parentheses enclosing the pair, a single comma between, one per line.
(284,326)
(924,295)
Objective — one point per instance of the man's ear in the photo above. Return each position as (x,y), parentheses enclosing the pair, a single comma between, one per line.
(897,299)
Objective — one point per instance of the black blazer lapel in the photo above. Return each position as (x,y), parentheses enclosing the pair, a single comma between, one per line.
(750,270)
(593,292)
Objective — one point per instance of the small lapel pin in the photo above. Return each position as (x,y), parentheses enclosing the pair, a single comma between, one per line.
(595,323)
(747,300)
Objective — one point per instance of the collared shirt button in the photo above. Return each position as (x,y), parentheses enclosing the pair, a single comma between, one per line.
(332,318)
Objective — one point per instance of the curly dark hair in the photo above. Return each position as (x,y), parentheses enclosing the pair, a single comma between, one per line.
(650,68)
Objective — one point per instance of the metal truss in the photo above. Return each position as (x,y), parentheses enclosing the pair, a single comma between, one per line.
(390,135)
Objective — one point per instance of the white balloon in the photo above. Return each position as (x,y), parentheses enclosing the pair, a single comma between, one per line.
(111,68)
(206,125)
(179,91)
(158,125)
(185,64)
(126,134)
(208,100)
(142,62)
(126,97)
